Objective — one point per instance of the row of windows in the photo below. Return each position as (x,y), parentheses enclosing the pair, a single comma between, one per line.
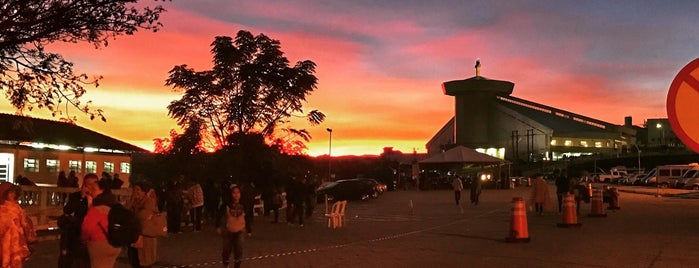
(597,144)
(53,165)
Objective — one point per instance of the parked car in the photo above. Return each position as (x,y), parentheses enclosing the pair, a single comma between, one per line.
(352,189)
(633,179)
(649,179)
(378,186)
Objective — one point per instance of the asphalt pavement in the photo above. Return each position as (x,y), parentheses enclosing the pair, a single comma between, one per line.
(648,231)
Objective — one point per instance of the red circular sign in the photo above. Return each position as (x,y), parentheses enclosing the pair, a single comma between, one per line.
(682,105)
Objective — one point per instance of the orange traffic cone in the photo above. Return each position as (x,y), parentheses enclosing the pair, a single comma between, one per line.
(518,226)
(570,216)
(614,199)
(597,204)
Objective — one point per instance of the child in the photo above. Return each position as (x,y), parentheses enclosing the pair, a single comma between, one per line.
(233,229)
(16,228)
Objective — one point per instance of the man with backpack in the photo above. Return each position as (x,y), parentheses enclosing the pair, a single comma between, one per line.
(108,226)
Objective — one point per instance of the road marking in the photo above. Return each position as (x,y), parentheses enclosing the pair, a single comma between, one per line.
(383,238)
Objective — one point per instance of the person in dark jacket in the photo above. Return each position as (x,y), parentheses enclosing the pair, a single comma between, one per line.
(248,200)
(73,252)
(562,187)
(300,194)
(174,205)
(291,193)
(476,190)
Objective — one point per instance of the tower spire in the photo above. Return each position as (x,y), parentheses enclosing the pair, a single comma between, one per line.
(478,67)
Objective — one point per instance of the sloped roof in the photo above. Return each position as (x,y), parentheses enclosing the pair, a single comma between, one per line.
(462,154)
(560,121)
(27,129)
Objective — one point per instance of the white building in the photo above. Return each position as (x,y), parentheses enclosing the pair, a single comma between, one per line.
(39,149)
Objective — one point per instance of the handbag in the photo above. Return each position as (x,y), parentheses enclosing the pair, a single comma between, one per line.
(156,225)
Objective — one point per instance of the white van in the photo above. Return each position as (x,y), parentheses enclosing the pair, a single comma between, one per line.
(667,174)
(688,177)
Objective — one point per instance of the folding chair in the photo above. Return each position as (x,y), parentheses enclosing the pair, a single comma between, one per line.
(341,214)
(334,217)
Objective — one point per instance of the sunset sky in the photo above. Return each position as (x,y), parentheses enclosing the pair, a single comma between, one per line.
(381,63)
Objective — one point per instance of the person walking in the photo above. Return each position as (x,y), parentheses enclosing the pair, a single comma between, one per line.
(174,204)
(16,229)
(276,203)
(562,187)
(232,229)
(540,193)
(195,195)
(93,234)
(298,200)
(291,193)
(143,203)
(248,200)
(476,189)
(73,252)
(458,187)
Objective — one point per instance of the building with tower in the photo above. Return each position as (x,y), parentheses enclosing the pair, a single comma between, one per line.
(489,119)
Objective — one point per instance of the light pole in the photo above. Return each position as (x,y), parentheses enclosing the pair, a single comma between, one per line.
(638,150)
(659,126)
(330,148)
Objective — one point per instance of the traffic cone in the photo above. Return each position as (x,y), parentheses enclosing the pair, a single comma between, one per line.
(570,216)
(597,204)
(614,199)
(518,226)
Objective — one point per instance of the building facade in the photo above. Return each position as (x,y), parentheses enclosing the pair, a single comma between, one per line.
(39,149)
(490,120)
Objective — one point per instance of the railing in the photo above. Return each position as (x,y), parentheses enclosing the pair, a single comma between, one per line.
(44,205)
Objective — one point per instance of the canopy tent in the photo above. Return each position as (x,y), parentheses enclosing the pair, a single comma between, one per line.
(462,155)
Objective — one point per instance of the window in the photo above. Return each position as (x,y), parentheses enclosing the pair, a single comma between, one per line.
(583,143)
(568,143)
(125,167)
(553,142)
(598,144)
(109,167)
(75,165)
(90,167)
(53,165)
(31,165)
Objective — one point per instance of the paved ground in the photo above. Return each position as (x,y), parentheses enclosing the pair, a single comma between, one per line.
(647,232)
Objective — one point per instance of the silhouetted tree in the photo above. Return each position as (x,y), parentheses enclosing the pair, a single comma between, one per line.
(251,89)
(32,77)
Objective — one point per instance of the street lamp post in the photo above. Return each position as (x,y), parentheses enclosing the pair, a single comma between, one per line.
(662,138)
(330,148)
(638,150)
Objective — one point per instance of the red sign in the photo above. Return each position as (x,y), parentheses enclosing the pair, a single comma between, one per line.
(683,105)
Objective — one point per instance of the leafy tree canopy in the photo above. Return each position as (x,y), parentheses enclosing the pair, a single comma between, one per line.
(251,89)
(32,77)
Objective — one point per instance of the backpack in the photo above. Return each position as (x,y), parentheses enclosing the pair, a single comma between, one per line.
(124,227)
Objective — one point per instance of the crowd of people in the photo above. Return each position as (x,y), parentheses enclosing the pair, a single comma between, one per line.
(86,242)
(85,223)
